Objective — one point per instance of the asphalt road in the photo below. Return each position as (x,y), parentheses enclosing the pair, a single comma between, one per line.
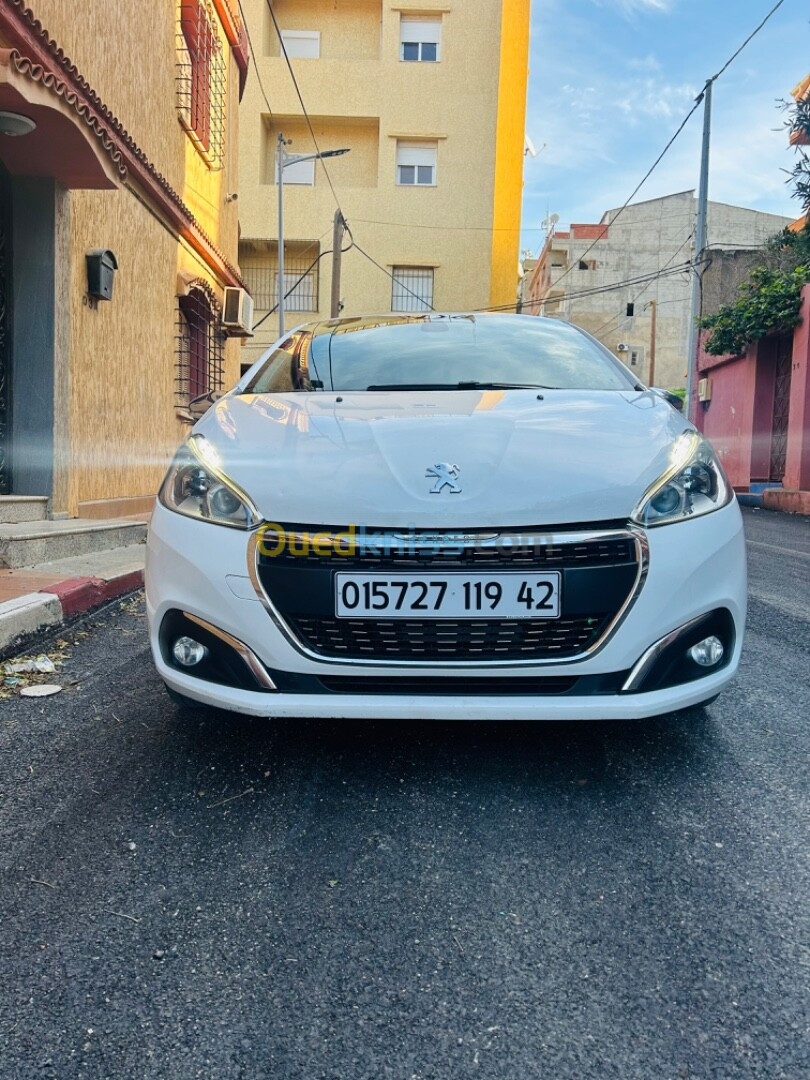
(213,897)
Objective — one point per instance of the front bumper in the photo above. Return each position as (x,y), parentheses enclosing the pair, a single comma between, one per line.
(695,567)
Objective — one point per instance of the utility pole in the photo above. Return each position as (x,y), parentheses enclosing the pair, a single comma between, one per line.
(283,160)
(653,304)
(700,245)
(337,245)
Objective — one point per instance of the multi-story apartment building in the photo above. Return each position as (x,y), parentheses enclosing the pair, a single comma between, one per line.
(117,143)
(429,100)
(579,274)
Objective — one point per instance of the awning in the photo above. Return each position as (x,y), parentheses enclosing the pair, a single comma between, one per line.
(67,144)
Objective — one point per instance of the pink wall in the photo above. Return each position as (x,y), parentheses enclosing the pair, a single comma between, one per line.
(797,465)
(729,419)
(739,419)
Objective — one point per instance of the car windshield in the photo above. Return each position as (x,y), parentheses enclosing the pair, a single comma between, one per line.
(439,352)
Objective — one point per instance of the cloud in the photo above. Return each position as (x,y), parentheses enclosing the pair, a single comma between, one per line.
(629,8)
(649,97)
(644,63)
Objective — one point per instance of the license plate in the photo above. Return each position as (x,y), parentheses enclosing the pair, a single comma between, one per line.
(447,596)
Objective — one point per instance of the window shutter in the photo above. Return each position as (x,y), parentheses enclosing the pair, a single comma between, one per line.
(422,30)
(305,44)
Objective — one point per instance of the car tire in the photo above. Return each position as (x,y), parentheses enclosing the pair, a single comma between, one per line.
(182,701)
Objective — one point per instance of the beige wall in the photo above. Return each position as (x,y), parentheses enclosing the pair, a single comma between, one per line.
(120,421)
(360,87)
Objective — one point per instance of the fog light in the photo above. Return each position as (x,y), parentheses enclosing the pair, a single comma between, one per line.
(188,652)
(707,653)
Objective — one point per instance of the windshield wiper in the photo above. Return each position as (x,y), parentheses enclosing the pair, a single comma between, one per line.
(471,385)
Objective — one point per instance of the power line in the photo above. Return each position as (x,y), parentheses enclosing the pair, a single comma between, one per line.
(253,58)
(321,160)
(397,281)
(646,279)
(292,288)
(638,294)
(303,106)
(637,188)
(750,37)
(652,218)
(681,126)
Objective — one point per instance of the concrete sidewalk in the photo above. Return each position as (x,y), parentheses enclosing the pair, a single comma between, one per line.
(36,598)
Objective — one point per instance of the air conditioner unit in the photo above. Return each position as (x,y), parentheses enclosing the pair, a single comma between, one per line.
(623,348)
(705,390)
(237,313)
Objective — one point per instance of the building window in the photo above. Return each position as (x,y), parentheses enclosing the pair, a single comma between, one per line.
(200,344)
(631,310)
(636,356)
(302,44)
(416,164)
(589,264)
(420,39)
(201,80)
(258,262)
(412,288)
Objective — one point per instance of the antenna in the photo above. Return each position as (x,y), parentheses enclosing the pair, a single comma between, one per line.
(549,221)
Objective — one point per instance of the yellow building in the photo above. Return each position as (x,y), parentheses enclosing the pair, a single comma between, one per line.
(429,99)
(118,129)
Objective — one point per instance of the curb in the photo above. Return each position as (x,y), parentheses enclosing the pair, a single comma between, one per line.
(27,615)
(786,500)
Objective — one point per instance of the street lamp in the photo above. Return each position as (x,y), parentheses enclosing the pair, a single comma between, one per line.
(283,160)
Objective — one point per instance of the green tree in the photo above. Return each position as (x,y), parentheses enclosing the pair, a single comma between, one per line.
(770,299)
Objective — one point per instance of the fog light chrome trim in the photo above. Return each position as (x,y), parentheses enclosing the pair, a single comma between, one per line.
(257,668)
(647,659)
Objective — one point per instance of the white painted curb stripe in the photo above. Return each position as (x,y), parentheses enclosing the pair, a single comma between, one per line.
(28,614)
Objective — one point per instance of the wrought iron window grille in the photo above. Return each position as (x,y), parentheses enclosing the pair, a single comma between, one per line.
(200,345)
(201,80)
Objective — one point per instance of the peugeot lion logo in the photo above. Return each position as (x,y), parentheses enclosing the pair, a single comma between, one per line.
(445,476)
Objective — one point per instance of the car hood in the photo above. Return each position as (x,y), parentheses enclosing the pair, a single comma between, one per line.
(363,458)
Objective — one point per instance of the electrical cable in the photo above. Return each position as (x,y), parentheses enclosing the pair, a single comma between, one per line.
(303,106)
(253,58)
(396,281)
(596,333)
(646,279)
(322,162)
(298,281)
(681,126)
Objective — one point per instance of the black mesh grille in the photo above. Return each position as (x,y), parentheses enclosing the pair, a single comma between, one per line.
(444,639)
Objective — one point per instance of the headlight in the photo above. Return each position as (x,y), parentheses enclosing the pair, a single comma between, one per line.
(694,484)
(197,487)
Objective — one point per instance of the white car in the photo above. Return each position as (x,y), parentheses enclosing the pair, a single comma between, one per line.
(445,516)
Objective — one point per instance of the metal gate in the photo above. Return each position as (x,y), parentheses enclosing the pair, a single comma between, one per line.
(5,333)
(781,407)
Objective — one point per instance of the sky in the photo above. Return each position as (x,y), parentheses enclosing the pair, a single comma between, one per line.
(611,80)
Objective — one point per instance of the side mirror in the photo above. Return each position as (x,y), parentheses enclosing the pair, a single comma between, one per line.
(674,400)
(199,406)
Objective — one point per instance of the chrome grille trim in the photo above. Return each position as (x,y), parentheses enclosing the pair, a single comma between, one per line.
(631,532)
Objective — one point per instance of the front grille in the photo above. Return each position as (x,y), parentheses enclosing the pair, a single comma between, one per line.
(510,549)
(599,570)
(465,639)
